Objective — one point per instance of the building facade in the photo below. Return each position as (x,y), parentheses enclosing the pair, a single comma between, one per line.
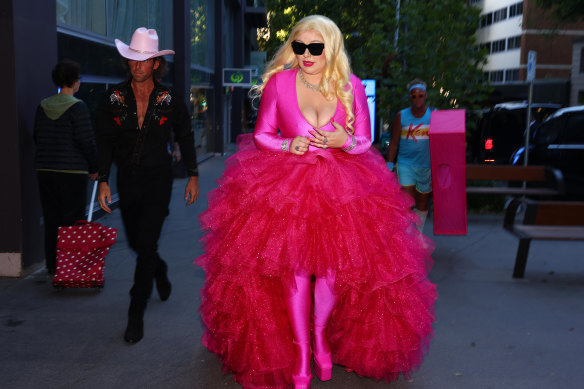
(577,91)
(508,30)
(207,36)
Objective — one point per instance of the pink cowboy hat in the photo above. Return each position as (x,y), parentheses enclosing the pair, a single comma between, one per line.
(144,45)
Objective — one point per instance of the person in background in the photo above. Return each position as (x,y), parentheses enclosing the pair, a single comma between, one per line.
(135,120)
(65,156)
(409,135)
(310,251)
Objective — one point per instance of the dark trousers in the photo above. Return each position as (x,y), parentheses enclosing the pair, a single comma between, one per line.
(144,199)
(63,197)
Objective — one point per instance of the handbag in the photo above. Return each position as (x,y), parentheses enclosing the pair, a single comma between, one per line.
(81,251)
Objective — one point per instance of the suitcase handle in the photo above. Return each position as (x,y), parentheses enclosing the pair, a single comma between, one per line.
(90,213)
(86,222)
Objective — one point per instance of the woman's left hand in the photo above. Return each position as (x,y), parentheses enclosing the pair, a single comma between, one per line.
(329,139)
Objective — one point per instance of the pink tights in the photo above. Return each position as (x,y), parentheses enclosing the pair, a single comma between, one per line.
(298,305)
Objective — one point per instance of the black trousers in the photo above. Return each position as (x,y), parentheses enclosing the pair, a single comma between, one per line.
(63,197)
(144,199)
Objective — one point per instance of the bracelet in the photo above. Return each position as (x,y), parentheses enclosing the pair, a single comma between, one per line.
(284,146)
(352,145)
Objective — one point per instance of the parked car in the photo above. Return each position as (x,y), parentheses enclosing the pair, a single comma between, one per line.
(501,130)
(559,142)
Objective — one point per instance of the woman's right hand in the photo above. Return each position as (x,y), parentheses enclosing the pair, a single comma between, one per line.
(299,145)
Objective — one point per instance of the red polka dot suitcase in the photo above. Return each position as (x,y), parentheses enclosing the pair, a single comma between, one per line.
(81,251)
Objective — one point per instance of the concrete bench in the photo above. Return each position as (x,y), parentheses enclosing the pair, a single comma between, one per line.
(542,220)
(548,181)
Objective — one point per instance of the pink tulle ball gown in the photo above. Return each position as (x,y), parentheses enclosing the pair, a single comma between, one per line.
(275,213)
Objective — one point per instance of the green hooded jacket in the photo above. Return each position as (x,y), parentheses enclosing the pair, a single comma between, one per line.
(56,105)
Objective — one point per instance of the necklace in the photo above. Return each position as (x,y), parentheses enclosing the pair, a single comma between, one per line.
(307,84)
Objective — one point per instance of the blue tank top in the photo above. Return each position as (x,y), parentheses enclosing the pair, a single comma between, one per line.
(414,144)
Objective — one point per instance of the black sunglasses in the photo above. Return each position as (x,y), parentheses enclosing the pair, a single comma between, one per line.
(313,48)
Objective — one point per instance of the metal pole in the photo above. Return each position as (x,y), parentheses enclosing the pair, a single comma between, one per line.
(528,124)
(527,130)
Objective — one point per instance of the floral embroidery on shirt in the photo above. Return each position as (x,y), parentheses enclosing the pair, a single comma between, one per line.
(163,97)
(118,98)
(163,119)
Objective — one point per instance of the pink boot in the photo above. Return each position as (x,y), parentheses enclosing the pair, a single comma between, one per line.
(301,376)
(298,306)
(324,303)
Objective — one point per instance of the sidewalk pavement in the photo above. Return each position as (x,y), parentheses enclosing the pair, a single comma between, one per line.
(491,332)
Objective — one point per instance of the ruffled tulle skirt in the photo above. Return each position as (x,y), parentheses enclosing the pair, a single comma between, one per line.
(274,214)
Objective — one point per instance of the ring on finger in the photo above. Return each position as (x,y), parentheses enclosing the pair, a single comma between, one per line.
(324,140)
(297,148)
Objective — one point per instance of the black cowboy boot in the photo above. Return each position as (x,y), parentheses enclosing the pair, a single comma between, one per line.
(135,328)
(162,283)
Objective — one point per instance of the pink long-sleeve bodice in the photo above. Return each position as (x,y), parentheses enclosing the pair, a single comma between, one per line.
(279,111)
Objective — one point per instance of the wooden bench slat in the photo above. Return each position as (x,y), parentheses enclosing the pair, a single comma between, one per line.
(506,173)
(504,190)
(558,213)
(549,232)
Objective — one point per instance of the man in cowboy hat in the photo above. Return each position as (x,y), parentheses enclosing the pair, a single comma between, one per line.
(133,130)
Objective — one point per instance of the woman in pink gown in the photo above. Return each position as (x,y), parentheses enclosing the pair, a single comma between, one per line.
(311,249)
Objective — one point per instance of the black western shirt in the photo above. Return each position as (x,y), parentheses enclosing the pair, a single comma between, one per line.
(121,140)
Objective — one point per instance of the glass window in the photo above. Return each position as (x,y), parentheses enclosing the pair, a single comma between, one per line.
(496,76)
(581,97)
(202,34)
(516,9)
(487,20)
(574,133)
(514,42)
(548,132)
(88,15)
(118,19)
(125,16)
(91,93)
(201,119)
(500,15)
(95,59)
(498,46)
(511,75)
(228,24)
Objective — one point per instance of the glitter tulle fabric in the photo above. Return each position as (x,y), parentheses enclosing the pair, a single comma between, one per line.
(274,214)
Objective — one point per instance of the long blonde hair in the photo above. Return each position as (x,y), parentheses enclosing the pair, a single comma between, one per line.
(336,73)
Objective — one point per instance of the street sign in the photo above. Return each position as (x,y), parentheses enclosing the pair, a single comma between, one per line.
(237,77)
(531,62)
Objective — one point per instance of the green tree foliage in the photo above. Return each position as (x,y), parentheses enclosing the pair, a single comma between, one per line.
(564,10)
(436,42)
